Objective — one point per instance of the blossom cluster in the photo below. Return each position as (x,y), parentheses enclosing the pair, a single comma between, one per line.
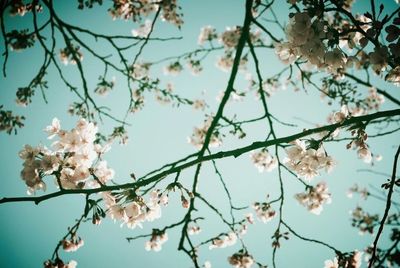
(143,30)
(199,104)
(20,40)
(193,229)
(173,68)
(140,70)
(72,244)
(241,259)
(104,87)
(230,37)
(224,241)
(199,134)
(306,163)
(71,159)
(331,263)
(170,12)
(24,96)
(229,40)
(315,197)
(9,122)
(20,8)
(157,239)
(225,62)
(327,41)
(394,76)
(134,211)
(194,66)
(207,33)
(79,109)
(58,263)
(352,260)
(372,101)
(70,54)
(304,39)
(264,161)
(135,10)
(364,193)
(364,221)
(359,142)
(264,211)
(131,10)
(270,86)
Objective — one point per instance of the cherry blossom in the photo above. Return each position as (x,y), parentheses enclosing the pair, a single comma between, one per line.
(264,161)
(306,163)
(315,198)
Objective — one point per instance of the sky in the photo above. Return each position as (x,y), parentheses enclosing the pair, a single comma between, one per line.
(158,135)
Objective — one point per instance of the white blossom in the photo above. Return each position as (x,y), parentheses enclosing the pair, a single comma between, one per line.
(143,30)
(315,198)
(224,241)
(306,163)
(207,33)
(365,154)
(230,37)
(264,161)
(264,212)
(156,241)
(199,134)
(331,263)
(394,76)
(241,260)
(54,128)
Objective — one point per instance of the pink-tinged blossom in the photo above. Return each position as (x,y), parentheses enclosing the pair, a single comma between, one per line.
(71,158)
(241,260)
(53,129)
(207,33)
(224,241)
(207,264)
(134,213)
(264,212)
(193,229)
(199,134)
(314,198)
(307,163)
(58,263)
(143,30)
(286,52)
(264,161)
(230,37)
(156,241)
(331,263)
(70,245)
(174,68)
(365,154)
(394,75)
(140,70)
(374,100)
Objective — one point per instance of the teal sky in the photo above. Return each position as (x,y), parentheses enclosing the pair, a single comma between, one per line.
(29,233)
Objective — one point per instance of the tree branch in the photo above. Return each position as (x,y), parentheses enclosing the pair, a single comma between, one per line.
(386,213)
(222,154)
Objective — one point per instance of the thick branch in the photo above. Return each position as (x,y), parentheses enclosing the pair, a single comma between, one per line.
(388,204)
(222,154)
